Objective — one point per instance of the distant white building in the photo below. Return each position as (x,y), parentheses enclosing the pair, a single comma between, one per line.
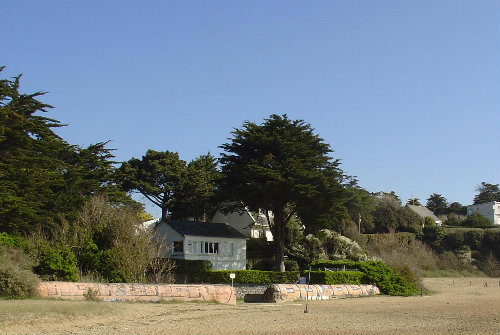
(490,210)
(424,212)
(218,243)
(250,224)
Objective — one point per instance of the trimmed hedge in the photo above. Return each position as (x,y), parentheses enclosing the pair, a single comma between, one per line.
(388,280)
(335,278)
(248,277)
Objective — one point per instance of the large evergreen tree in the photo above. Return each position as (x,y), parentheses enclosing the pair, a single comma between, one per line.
(437,203)
(43,179)
(486,193)
(197,198)
(158,175)
(284,169)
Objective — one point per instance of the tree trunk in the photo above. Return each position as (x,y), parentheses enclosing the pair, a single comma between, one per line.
(164,213)
(279,240)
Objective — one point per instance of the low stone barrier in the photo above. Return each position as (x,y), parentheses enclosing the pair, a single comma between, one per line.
(287,292)
(223,294)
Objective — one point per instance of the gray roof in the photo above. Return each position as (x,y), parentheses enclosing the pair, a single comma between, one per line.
(193,228)
(423,212)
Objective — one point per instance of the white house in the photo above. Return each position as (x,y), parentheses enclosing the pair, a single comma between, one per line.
(250,224)
(425,212)
(218,243)
(490,210)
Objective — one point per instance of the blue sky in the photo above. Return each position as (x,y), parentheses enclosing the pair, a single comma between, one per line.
(407,93)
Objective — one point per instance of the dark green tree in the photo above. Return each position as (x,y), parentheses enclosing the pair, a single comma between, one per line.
(476,220)
(457,208)
(43,179)
(413,201)
(197,198)
(486,193)
(158,175)
(284,169)
(437,204)
(360,204)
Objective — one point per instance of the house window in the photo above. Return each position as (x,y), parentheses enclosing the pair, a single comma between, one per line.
(178,246)
(211,247)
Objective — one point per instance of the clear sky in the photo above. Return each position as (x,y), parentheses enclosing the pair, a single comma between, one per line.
(407,93)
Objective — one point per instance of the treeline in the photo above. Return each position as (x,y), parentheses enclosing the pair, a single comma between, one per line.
(69,208)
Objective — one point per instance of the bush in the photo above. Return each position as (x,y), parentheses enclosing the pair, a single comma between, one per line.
(388,280)
(335,278)
(249,277)
(12,241)
(476,220)
(16,280)
(56,263)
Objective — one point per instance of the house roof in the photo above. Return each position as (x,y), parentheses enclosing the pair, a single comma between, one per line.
(424,212)
(193,228)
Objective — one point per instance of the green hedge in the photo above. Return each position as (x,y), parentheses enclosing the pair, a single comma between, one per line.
(248,277)
(334,278)
(388,280)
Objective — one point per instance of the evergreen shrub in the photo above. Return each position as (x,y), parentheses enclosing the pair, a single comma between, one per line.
(249,277)
(335,278)
(16,280)
(388,280)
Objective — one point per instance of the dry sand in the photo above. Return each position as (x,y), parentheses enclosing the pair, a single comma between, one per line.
(456,307)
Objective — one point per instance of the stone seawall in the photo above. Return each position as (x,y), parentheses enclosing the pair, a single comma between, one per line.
(244,289)
(223,294)
(288,292)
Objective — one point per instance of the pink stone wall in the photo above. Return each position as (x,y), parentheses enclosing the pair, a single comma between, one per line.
(287,292)
(223,294)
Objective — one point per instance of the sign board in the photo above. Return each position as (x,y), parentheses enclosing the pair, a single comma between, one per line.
(232,275)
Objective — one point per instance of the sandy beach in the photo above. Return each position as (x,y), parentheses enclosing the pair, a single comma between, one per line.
(457,306)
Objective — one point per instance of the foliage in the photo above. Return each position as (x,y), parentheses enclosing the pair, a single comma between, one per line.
(476,220)
(12,241)
(55,263)
(334,278)
(158,175)
(43,179)
(377,273)
(413,201)
(457,209)
(360,205)
(91,294)
(248,277)
(437,204)
(196,199)
(111,243)
(181,191)
(433,236)
(16,279)
(283,168)
(486,193)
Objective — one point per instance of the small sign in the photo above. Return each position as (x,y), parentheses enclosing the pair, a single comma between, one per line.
(232,275)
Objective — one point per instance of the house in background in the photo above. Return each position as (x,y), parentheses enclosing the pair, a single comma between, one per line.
(424,212)
(250,224)
(490,210)
(218,243)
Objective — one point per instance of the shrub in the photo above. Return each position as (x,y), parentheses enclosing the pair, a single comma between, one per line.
(388,280)
(12,241)
(476,220)
(334,278)
(249,277)
(16,281)
(56,263)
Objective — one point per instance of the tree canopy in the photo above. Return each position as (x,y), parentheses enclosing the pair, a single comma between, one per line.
(43,179)
(284,169)
(437,203)
(486,193)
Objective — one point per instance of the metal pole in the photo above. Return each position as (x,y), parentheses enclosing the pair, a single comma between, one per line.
(307,290)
